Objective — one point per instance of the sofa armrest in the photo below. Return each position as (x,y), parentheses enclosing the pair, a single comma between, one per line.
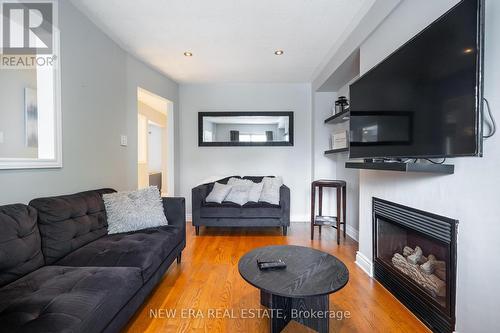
(175,212)
(285,204)
(199,193)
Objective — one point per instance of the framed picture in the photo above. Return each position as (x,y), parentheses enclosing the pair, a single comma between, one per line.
(31,117)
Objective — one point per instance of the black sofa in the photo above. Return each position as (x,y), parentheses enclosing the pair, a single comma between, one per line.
(61,272)
(228,214)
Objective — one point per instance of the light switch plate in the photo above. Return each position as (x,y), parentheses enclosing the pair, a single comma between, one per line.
(123,141)
(1,137)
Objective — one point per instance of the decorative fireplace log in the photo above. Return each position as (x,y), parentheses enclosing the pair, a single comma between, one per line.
(429,281)
(434,266)
(417,257)
(408,251)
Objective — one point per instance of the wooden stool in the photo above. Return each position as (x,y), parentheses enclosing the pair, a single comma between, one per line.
(334,221)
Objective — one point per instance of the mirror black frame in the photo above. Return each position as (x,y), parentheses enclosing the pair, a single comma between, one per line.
(288,114)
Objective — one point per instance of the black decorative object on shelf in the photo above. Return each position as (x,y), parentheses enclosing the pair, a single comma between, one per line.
(341,104)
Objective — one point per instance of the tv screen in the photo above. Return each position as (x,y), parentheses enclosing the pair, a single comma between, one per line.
(424,100)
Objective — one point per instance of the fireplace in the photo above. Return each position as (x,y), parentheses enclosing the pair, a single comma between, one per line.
(414,257)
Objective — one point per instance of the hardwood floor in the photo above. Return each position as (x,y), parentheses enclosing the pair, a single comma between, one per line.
(208,295)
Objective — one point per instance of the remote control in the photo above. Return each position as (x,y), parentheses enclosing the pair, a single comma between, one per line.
(271,265)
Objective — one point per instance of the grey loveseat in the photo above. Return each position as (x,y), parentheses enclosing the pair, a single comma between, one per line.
(61,272)
(228,214)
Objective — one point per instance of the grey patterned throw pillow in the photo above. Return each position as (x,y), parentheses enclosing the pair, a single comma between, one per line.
(134,210)
(239,194)
(255,192)
(219,193)
(271,190)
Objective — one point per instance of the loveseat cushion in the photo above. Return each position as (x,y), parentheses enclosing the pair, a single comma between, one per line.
(70,221)
(145,249)
(20,245)
(67,299)
(248,210)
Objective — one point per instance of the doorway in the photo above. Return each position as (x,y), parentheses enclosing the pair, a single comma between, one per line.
(155,159)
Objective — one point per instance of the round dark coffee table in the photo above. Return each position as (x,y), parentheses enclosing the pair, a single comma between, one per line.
(299,292)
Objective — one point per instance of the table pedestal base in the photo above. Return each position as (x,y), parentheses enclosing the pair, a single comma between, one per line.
(312,312)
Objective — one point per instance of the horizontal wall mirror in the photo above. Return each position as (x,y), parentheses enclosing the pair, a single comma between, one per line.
(245,128)
(30,113)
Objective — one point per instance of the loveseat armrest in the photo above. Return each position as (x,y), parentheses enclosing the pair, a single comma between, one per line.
(285,204)
(175,212)
(199,193)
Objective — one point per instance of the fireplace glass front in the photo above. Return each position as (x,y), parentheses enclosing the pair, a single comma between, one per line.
(421,260)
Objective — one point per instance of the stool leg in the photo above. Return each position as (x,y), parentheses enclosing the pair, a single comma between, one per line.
(338,214)
(313,199)
(320,204)
(344,204)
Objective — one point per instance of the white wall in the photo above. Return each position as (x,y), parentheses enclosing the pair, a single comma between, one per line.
(324,166)
(97,99)
(332,166)
(470,195)
(292,163)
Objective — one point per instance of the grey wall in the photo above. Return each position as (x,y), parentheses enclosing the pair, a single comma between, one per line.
(470,195)
(292,163)
(97,77)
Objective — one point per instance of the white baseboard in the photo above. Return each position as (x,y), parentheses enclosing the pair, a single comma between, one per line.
(189,217)
(300,218)
(364,263)
(353,233)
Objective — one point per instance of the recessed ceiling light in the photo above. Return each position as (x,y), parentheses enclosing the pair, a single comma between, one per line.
(188,54)
(278,52)
(469,50)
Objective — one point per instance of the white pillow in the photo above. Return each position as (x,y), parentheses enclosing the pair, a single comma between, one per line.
(218,193)
(239,194)
(271,190)
(255,192)
(239,181)
(134,210)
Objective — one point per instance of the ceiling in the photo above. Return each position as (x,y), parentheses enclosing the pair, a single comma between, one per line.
(231,40)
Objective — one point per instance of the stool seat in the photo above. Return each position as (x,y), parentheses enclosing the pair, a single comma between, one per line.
(334,221)
(329,183)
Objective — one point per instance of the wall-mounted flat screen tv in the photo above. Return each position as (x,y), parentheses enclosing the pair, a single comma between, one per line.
(425,99)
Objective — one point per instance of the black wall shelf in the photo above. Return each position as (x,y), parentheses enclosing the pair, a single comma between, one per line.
(447,169)
(338,118)
(334,151)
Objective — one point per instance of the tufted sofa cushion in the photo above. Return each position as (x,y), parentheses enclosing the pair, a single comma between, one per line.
(20,247)
(70,221)
(145,249)
(67,299)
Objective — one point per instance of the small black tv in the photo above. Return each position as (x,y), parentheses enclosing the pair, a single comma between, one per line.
(425,99)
